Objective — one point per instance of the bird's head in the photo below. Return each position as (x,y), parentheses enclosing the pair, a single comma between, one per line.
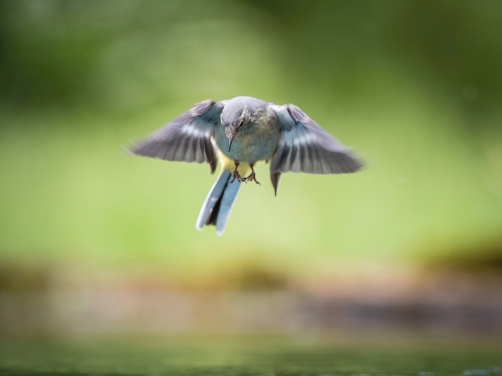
(238,113)
(233,123)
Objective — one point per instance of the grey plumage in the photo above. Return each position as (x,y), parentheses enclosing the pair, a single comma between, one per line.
(306,147)
(187,138)
(246,130)
(252,125)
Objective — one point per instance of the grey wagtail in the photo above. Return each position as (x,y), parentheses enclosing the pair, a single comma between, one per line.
(238,133)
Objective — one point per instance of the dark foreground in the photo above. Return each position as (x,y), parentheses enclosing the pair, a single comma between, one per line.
(250,356)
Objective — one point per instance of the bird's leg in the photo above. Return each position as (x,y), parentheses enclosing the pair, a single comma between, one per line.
(251,176)
(236,174)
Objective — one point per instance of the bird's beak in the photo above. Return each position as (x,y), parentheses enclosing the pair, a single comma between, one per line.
(230,140)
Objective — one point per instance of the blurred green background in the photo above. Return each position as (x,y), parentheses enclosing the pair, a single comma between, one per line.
(414,86)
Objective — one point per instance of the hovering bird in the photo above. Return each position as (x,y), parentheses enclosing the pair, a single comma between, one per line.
(238,133)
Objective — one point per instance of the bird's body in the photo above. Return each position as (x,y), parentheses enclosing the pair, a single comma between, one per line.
(239,133)
(258,139)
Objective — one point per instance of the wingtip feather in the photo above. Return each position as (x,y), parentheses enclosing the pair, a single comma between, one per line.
(275,177)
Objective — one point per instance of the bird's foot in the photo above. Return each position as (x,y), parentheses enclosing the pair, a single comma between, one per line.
(237,177)
(251,177)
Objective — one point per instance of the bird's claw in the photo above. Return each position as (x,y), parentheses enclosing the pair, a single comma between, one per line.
(237,176)
(251,177)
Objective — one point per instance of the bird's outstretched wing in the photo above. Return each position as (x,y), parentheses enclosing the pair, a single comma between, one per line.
(305,147)
(187,138)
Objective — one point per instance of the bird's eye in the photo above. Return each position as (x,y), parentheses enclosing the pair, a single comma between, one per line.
(241,123)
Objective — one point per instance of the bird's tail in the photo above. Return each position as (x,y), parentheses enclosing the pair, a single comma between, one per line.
(219,202)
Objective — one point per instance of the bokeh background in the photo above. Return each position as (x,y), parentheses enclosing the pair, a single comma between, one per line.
(93,239)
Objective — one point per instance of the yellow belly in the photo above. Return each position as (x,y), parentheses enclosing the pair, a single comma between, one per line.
(228,164)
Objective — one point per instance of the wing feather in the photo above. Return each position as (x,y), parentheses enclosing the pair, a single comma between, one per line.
(187,138)
(305,146)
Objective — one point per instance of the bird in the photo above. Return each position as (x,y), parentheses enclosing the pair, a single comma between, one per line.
(238,133)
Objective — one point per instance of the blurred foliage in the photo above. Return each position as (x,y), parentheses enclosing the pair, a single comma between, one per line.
(24,278)
(484,258)
(415,86)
